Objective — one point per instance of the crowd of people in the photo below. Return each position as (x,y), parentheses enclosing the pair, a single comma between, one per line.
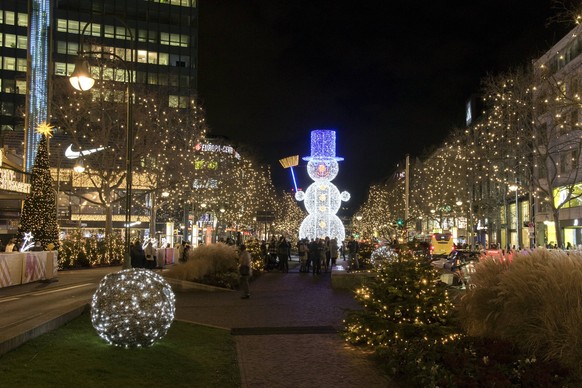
(315,255)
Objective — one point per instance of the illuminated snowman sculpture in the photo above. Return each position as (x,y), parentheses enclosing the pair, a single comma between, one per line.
(322,198)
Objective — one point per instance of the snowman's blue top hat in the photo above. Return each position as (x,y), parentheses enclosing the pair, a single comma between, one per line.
(322,145)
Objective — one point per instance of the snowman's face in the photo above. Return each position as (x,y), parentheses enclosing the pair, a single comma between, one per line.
(322,169)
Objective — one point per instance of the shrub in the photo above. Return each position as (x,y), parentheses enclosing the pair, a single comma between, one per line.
(534,301)
(215,264)
(76,250)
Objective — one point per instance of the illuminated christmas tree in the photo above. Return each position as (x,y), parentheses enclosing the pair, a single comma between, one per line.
(39,213)
(405,312)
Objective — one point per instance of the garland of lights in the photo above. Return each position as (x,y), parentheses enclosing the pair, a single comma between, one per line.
(132,308)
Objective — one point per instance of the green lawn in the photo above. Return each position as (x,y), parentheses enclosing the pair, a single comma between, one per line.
(74,355)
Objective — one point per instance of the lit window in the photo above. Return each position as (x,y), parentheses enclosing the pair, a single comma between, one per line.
(9,18)
(142,56)
(173,101)
(152,79)
(163,59)
(60,68)
(62,25)
(9,63)
(109,31)
(153,57)
(73,27)
(22,19)
(10,40)
(61,47)
(21,64)
(20,86)
(95,29)
(21,42)
(73,48)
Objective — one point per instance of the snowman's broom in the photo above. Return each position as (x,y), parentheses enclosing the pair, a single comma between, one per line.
(290,162)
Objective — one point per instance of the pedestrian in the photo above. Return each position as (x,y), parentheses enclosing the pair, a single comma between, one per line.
(181,248)
(11,246)
(319,257)
(150,254)
(137,255)
(353,248)
(327,261)
(272,253)
(313,254)
(264,253)
(303,251)
(333,249)
(245,271)
(283,254)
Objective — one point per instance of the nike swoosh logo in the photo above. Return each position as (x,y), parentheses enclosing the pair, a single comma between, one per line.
(69,153)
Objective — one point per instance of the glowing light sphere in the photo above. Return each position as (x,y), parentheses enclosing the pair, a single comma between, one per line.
(133,308)
(322,198)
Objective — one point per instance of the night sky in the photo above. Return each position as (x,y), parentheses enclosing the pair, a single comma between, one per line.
(391,77)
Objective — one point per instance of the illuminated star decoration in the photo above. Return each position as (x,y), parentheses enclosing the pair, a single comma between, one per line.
(27,242)
(45,129)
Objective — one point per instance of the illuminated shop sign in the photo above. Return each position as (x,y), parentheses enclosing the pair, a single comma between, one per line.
(206,164)
(216,148)
(205,184)
(8,182)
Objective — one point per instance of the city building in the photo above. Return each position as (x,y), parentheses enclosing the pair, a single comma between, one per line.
(153,42)
(558,162)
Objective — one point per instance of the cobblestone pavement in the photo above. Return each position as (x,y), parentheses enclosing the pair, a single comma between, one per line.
(286,333)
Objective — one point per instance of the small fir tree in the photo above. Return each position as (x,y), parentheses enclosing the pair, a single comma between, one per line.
(39,213)
(406,314)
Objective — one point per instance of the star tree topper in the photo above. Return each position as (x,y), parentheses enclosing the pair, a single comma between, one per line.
(45,128)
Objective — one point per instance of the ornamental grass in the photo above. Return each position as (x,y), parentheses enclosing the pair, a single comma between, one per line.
(215,264)
(533,301)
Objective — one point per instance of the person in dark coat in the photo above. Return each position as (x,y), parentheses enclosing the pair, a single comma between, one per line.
(137,255)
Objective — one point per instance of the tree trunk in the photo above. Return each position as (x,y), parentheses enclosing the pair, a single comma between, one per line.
(108,221)
(558,229)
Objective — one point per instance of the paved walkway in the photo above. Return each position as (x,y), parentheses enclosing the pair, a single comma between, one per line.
(286,333)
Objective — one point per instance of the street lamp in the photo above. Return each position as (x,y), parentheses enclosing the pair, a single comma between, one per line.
(81,80)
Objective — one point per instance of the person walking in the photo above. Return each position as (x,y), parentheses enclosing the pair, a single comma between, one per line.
(272,253)
(137,255)
(333,250)
(319,256)
(245,271)
(353,248)
(283,253)
(303,251)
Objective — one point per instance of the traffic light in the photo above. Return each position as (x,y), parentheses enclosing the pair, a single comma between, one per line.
(400,222)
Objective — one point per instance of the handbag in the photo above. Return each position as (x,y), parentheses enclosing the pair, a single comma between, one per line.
(244,270)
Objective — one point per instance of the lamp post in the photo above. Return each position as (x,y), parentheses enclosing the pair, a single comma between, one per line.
(82,81)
